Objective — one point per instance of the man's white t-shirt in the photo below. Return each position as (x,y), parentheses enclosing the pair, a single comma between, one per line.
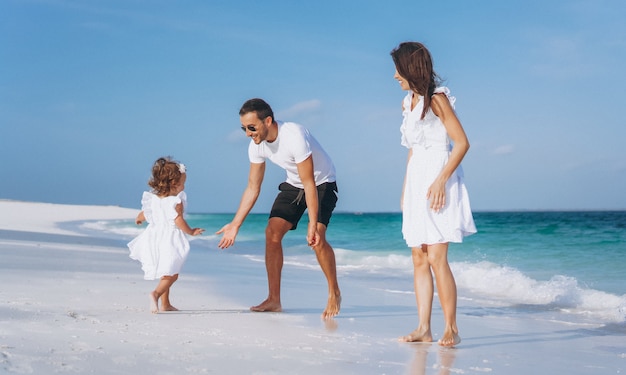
(292,146)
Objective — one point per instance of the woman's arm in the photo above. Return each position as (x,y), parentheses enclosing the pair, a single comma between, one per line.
(442,109)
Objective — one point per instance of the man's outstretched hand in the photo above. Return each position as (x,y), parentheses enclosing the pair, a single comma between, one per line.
(228,239)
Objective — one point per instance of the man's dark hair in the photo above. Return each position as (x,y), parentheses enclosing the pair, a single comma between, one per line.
(262,109)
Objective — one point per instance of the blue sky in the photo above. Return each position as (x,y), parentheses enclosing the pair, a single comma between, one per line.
(92,92)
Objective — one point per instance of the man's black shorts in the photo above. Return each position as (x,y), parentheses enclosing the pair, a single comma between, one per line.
(291,203)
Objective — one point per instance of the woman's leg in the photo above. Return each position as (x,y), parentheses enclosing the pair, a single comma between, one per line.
(446,288)
(424,290)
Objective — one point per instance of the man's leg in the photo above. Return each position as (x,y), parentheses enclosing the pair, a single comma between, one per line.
(326,258)
(274,233)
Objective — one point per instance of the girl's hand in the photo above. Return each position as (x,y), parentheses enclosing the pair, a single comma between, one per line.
(196,231)
(140,218)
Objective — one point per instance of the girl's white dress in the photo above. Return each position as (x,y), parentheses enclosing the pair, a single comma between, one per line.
(162,248)
(431,147)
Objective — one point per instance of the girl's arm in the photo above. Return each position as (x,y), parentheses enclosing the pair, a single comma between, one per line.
(140,218)
(181,223)
(442,109)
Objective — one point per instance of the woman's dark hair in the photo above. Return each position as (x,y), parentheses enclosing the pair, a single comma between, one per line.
(166,175)
(414,63)
(262,109)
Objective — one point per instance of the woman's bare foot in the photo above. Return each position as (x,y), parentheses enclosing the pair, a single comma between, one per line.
(450,339)
(332,307)
(267,306)
(418,335)
(154,302)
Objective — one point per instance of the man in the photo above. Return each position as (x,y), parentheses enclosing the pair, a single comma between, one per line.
(310,185)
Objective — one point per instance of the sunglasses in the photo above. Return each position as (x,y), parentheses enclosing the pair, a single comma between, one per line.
(248,127)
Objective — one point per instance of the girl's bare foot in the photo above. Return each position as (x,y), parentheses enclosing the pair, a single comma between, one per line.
(168,308)
(418,335)
(449,339)
(154,302)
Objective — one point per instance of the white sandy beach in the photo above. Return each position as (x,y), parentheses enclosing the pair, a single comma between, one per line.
(72,301)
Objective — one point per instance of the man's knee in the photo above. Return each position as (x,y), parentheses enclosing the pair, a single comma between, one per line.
(271,235)
(276,230)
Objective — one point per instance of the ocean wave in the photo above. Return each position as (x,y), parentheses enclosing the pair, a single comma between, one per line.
(129,230)
(124,228)
(507,285)
(370,262)
(491,284)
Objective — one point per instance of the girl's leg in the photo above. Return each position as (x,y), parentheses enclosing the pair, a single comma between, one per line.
(424,290)
(446,288)
(162,287)
(165,298)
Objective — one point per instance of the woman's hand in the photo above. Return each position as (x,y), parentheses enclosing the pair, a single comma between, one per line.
(437,195)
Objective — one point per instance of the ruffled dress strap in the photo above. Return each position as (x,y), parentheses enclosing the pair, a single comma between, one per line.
(446,91)
(406,114)
(183,198)
(169,206)
(146,205)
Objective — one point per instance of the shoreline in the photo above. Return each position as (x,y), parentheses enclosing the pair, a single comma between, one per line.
(74,302)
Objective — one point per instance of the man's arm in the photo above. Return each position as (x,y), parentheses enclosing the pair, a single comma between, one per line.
(248,199)
(305,171)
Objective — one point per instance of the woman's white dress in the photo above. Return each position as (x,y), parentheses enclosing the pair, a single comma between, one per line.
(161,248)
(431,149)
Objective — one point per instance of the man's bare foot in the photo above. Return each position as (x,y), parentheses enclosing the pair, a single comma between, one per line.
(267,306)
(154,302)
(168,308)
(418,336)
(450,339)
(330,325)
(332,307)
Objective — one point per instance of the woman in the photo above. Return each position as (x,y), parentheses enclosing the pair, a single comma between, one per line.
(435,203)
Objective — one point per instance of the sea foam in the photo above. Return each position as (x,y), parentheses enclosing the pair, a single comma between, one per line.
(492,284)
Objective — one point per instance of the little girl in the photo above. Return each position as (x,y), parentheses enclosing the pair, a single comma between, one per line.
(163,248)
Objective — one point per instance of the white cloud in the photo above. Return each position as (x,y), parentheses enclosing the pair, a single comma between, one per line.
(504,150)
(300,109)
(236,136)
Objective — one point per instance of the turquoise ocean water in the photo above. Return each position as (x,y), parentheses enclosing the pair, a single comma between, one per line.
(566,266)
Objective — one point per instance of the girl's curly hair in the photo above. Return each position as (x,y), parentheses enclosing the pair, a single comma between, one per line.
(165,176)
